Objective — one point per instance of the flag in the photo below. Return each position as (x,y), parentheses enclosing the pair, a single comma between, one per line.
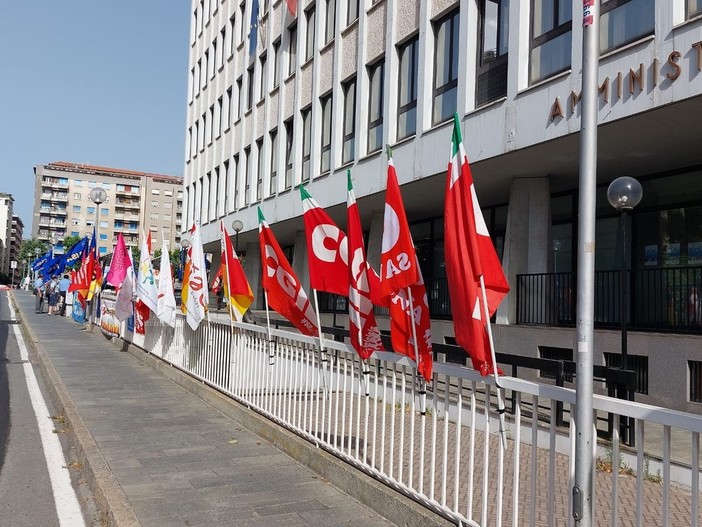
(292,6)
(146,289)
(327,249)
(285,293)
(73,254)
(119,264)
(96,278)
(124,301)
(363,329)
(253,28)
(81,278)
(236,287)
(401,281)
(469,254)
(39,263)
(166,304)
(195,297)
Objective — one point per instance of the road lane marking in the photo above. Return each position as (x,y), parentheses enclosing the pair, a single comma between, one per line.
(67,506)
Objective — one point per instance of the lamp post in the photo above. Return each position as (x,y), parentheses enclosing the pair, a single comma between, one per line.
(37,251)
(237,225)
(624,193)
(25,272)
(184,244)
(97,196)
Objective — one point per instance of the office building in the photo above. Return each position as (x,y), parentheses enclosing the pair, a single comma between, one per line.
(301,99)
(135,201)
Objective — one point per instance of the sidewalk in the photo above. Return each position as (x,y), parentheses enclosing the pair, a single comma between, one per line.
(157,455)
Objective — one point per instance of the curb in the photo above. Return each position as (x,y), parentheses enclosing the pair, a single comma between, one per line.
(109,497)
(384,500)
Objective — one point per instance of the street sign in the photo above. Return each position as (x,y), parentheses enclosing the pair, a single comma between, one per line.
(13,264)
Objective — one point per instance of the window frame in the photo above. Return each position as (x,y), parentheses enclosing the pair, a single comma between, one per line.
(273,181)
(292,49)
(352,11)
(329,21)
(611,5)
(327,114)
(349,132)
(289,126)
(310,20)
(413,68)
(500,60)
(555,32)
(439,91)
(259,169)
(378,122)
(306,116)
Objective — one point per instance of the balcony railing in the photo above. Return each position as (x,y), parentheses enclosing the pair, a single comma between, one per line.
(667,299)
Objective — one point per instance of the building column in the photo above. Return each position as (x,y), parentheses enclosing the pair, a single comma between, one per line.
(299,263)
(527,240)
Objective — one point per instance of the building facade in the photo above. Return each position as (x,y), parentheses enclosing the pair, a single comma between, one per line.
(6,205)
(136,202)
(300,99)
(16,232)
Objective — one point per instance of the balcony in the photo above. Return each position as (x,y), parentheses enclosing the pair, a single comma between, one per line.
(56,211)
(124,204)
(662,299)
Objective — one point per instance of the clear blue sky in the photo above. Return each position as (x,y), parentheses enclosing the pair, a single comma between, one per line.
(91,81)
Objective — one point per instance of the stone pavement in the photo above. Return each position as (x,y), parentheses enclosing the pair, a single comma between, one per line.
(157,455)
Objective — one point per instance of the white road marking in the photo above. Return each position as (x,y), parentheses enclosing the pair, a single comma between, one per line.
(67,506)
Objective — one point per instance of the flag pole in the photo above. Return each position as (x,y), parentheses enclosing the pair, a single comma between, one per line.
(268,324)
(420,377)
(224,232)
(322,350)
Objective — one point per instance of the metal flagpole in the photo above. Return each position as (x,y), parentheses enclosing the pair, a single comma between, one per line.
(583,482)
(322,350)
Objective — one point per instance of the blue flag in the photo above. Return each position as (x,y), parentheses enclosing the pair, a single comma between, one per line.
(74,254)
(253,28)
(41,261)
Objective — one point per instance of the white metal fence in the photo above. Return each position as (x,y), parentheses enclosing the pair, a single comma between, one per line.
(442,447)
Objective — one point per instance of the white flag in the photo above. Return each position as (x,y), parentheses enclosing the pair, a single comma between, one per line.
(195,294)
(166,305)
(146,288)
(124,302)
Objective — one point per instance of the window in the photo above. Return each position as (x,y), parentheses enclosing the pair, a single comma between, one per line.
(236,182)
(407,100)
(550,38)
(226,187)
(215,58)
(288,153)
(247,174)
(75,234)
(694,8)
(276,61)
(91,210)
(103,225)
(215,190)
(445,68)
(196,142)
(273,187)
(239,86)
(329,20)
(103,236)
(76,208)
(206,68)
(351,11)
(220,116)
(636,363)
(192,85)
(326,103)
(104,212)
(205,130)
(623,21)
(292,49)
(230,39)
(222,48)
(155,192)
(306,142)
(349,152)
(264,79)
(198,77)
(76,195)
(242,12)
(228,109)
(75,222)
(259,169)
(492,59)
(376,75)
(695,372)
(168,193)
(210,129)
(309,41)
(249,88)
(205,203)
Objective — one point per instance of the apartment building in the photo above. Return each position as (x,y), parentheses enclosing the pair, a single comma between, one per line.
(135,201)
(6,239)
(299,99)
(16,232)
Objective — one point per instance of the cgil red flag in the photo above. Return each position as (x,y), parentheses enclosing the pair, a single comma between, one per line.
(284,291)
(363,329)
(401,281)
(469,254)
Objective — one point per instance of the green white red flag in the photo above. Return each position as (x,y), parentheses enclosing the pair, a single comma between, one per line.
(400,277)
(363,329)
(236,287)
(469,254)
(327,248)
(195,297)
(284,291)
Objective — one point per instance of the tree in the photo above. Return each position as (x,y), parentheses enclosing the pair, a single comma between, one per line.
(70,241)
(27,249)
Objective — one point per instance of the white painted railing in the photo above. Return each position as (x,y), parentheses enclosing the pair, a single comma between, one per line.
(447,457)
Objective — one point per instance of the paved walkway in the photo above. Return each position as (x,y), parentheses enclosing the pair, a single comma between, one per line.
(172,459)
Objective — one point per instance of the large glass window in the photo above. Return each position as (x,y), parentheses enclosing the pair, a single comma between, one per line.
(292,49)
(276,58)
(445,68)
(407,100)
(288,153)
(329,20)
(694,7)
(247,175)
(306,142)
(273,188)
(309,41)
(623,21)
(259,169)
(494,42)
(551,37)
(349,149)
(352,11)
(376,75)
(264,79)
(249,88)
(236,182)
(326,103)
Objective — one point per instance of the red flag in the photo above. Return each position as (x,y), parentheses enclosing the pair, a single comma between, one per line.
(80,279)
(401,277)
(236,287)
(285,293)
(363,329)
(327,249)
(469,254)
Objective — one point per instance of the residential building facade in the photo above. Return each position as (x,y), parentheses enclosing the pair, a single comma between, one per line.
(16,232)
(294,100)
(6,205)
(135,202)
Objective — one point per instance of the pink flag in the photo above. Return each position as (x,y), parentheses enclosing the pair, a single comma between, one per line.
(469,254)
(363,329)
(120,263)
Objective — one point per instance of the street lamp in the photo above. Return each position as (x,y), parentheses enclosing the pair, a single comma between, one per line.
(237,225)
(184,244)
(37,251)
(97,196)
(624,193)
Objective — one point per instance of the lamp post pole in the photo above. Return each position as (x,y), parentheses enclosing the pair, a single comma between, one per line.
(237,225)
(37,251)
(624,194)
(97,196)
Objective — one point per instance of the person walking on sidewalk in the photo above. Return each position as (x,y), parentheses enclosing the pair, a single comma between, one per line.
(53,294)
(39,289)
(63,285)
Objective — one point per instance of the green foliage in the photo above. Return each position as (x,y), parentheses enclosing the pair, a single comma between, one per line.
(70,241)
(173,256)
(26,251)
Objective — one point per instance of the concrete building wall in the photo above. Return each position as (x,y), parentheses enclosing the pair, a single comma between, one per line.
(6,204)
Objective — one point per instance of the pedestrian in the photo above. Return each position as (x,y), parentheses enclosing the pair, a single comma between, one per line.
(39,289)
(63,286)
(53,294)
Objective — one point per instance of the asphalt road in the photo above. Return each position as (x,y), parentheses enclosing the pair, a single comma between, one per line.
(27,496)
